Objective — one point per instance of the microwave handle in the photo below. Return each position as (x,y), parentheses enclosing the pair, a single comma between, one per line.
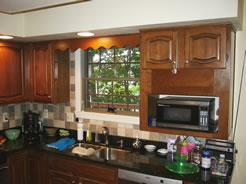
(163,105)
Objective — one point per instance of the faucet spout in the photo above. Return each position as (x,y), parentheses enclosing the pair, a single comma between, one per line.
(106,135)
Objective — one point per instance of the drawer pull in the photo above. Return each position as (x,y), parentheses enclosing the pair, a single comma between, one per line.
(73,181)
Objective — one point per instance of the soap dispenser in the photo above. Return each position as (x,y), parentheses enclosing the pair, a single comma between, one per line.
(79,130)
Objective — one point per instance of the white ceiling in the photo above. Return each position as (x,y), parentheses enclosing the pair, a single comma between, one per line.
(21,6)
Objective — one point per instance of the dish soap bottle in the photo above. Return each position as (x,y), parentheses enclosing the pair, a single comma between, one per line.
(79,130)
(136,145)
(88,135)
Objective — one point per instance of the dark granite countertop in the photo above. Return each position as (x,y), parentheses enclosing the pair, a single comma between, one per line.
(142,162)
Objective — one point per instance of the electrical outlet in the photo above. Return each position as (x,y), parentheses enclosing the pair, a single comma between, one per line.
(70,117)
(5,117)
(45,114)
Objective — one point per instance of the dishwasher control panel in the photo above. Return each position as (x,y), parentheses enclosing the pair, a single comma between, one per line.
(145,178)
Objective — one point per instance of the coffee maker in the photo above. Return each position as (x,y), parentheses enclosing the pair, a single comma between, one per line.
(31,127)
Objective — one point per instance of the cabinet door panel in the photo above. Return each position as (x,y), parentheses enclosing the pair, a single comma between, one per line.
(17,168)
(11,73)
(205,47)
(42,66)
(158,49)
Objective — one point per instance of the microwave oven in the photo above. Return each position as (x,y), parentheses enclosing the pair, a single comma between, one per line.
(189,113)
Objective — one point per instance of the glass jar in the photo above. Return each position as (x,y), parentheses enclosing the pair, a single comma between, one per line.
(197,154)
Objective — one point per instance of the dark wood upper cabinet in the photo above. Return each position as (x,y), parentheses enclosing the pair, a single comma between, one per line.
(49,79)
(184,47)
(159,49)
(12,84)
(205,47)
(42,72)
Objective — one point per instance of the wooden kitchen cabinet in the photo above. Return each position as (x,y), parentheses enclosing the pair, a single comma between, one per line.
(204,58)
(55,177)
(198,47)
(27,167)
(12,83)
(49,74)
(17,167)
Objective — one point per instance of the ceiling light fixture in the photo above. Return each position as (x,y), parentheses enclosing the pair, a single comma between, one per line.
(86,34)
(6,37)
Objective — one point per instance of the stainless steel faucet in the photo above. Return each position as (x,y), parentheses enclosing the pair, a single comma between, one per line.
(106,135)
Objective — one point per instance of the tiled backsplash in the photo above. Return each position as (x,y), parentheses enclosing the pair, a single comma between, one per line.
(57,116)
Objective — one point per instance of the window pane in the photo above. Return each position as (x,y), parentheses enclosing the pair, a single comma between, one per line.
(105,87)
(122,70)
(93,56)
(91,86)
(134,55)
(119,88)
(134,88)
(107,71)
(93,70)
(107,55)
(121,55)
(134,70)
(133,100)
(119,101)
(92,101)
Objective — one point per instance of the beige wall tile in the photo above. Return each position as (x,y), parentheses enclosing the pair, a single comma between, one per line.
(129,132)
(125,125)
(144,135)
(121,132)
(153,136)
(110,124)
(59,124)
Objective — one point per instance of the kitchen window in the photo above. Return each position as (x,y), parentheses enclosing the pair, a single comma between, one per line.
(111,81)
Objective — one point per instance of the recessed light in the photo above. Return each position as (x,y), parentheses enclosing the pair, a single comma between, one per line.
(6,37)
(86,34)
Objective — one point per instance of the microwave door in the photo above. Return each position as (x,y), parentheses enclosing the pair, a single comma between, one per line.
(178,116)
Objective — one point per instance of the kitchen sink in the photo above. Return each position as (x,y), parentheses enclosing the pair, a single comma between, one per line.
(99,151)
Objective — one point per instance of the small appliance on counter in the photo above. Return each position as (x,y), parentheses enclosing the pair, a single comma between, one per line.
(31,127)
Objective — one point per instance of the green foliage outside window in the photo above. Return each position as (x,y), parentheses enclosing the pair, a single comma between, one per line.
(113,78)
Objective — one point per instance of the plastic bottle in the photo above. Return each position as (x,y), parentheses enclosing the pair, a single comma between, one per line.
(222,166)
(88,135)
(80,131)
(184,150)
(206,160)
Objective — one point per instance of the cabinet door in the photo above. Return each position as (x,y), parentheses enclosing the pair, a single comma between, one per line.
(55,177)
(36,167)
(17,168)
(11,73)
(159,49)
(205,47)
(42,72)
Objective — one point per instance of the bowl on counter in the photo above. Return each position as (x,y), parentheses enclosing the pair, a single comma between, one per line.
(50,131)
(12,134)
(150,147)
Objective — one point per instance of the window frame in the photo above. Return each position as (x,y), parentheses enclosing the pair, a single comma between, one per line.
(79,94)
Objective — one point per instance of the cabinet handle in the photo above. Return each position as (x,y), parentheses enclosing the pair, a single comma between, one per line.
(49,96)
(174,62)
(73,181)
(186,61)
(80,183)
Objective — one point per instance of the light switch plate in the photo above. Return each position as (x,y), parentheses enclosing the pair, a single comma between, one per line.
(45,114)
(70,117)
(5,117)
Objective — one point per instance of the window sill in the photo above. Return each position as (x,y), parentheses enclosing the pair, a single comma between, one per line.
(108,117)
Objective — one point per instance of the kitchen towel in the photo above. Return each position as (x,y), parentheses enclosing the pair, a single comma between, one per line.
(62,143)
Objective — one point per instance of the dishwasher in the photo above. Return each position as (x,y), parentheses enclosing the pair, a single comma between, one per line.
(3,168)
(145,178)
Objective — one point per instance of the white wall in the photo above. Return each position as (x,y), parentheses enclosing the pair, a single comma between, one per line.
(239,176)
(127,14)
(12,24)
